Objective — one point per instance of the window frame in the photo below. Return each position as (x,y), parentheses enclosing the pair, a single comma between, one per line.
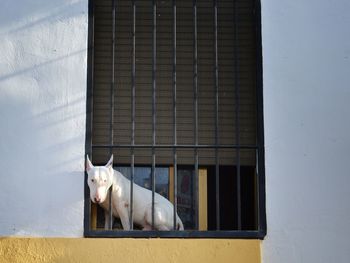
(261,199)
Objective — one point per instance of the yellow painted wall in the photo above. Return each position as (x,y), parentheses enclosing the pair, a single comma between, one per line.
(128,250)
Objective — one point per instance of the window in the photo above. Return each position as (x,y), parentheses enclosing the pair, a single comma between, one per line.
(175,93)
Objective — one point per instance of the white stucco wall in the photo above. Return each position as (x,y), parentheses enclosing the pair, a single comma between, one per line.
(43,52)
(306,48)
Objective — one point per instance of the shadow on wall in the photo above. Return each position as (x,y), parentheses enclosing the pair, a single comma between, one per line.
(42,169)
(42,116)
(29,13)
(34,68)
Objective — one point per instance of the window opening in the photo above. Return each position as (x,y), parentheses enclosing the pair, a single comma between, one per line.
(175,93)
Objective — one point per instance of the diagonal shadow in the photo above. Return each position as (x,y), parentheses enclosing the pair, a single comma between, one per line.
(65,12)
(34,67)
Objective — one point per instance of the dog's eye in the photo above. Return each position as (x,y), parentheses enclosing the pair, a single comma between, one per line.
(105,180)
(92,180)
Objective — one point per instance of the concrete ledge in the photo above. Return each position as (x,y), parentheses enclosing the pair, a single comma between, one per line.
(105,250)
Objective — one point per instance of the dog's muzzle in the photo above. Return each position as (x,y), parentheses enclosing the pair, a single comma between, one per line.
(97,200)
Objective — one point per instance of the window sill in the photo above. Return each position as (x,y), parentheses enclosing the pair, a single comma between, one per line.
(175,234)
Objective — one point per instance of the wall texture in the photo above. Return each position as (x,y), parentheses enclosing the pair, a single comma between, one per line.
(306,48)
(42,114)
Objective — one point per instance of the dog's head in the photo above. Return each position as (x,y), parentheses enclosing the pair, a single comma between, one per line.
(100,178)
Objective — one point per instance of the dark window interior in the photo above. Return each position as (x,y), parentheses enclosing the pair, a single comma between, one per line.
(228,201)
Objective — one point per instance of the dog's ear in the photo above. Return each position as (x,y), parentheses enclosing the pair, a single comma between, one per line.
(110,163)
(88,164)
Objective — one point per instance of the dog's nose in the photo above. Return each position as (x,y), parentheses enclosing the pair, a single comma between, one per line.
(97,199)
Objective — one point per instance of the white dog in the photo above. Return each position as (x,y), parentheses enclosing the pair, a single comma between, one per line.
(101,178)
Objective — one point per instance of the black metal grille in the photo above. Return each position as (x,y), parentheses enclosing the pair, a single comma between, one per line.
(94,147)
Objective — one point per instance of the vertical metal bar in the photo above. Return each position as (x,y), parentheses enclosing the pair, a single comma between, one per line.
(195,97)
(154,68)
(111,123)
(174,113)
(216,76)
(133,93)
(237,110)
(111,114)
(89,111)
(260,128)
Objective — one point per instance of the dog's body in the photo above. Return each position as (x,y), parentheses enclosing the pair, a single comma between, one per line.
(101,178)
